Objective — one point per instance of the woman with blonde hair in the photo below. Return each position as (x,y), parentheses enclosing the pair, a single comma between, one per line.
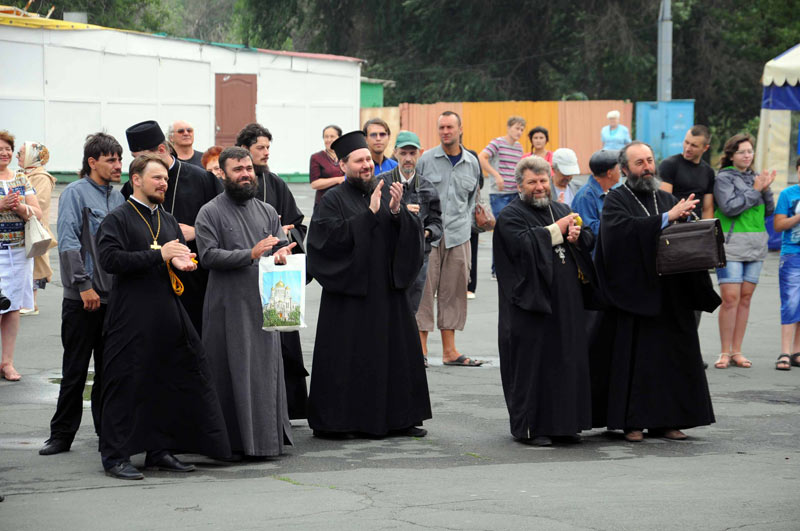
(32,157)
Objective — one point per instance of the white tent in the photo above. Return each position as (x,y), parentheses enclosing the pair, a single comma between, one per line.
(781,96)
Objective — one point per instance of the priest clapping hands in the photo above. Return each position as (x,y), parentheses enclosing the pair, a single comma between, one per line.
(280,254)
(263,246)
(683,208)
(178,255)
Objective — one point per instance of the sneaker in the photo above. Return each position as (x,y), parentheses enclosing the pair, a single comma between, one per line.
(470,295)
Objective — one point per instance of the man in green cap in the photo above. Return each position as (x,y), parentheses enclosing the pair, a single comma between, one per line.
(420,198)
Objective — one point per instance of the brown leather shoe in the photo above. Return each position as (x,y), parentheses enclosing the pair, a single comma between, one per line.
(634,435)
(673,435)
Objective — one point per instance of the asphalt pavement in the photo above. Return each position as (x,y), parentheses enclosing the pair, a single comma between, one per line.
(468,473)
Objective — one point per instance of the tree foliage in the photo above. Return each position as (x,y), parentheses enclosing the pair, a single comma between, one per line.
(438,50)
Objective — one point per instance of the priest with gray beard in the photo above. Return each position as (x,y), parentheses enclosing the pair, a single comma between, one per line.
(650,372)
(540,254)
(234,230)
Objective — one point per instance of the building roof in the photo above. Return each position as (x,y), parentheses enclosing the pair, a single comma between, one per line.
(12,16)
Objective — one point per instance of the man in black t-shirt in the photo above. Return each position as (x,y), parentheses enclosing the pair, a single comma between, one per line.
(686,173)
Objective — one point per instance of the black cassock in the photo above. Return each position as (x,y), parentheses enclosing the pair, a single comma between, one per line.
(544,362)
(157,390)
(189,188)
(368,374)
(647,370)
(272,190)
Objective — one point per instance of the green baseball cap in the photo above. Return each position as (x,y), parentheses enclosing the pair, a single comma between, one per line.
(407,138)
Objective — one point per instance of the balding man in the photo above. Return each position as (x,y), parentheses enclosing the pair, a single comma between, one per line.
(181,134)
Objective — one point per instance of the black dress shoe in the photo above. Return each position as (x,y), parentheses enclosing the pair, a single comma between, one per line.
(55,446)
(412,431)
(169,463)
(124,470)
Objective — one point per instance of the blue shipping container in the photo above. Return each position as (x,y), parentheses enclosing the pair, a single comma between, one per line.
(663,124)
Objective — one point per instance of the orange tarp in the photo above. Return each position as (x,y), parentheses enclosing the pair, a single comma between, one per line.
(572,124)
(484,121)
(581,122)
(421,119)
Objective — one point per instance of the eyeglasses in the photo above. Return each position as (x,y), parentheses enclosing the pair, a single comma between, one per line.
(187,130)
(744,152)
(379,135)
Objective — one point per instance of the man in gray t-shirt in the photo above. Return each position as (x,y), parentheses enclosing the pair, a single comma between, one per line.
(454,172)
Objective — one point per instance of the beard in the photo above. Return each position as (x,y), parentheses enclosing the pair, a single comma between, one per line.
(365,186)
(639,183)
(155,199)
(540,202)
(240,192)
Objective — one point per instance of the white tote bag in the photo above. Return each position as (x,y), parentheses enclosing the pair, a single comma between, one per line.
(283,293)
(37,239)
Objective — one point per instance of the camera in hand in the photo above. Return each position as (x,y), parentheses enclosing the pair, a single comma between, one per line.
(5,303)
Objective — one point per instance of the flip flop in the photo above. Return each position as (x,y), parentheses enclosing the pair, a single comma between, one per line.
(461,361)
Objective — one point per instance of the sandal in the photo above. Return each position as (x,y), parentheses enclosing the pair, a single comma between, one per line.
(784,363)
(794,357)
(741,362)
(464,361)
(10,373)
(723,362)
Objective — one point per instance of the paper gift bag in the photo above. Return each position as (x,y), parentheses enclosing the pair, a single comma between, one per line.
(283,293)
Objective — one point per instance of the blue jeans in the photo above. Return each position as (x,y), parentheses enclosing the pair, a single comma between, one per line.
(498,202)
(738,272)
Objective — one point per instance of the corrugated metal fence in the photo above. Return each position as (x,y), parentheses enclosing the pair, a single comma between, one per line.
(572,124)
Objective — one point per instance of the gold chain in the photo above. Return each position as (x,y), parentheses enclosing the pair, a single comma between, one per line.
(158,231)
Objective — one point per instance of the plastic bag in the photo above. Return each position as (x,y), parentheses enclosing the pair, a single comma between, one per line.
(283,293)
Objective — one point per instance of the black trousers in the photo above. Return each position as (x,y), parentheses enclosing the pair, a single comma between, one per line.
(473,272)
(81,337)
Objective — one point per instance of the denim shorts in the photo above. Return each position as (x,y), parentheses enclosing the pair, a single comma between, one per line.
(738,272)
(789,282)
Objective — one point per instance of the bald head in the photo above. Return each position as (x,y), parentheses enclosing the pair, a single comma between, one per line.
(181,134)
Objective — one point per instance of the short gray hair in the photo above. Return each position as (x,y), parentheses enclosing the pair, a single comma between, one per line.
(612,114)
(533,163)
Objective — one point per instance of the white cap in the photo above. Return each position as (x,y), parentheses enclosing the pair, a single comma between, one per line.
(566,161)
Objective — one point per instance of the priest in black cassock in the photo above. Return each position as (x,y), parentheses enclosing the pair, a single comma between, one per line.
(157,392)
(539,253)
(274,191)
(190,187)
(655,377)
(365,248)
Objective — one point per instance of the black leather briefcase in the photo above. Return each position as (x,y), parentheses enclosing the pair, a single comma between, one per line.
(691,246)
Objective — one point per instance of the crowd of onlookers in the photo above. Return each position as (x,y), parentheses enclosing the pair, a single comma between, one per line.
(441,187)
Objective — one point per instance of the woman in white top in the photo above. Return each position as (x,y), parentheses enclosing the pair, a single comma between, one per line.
(17,204)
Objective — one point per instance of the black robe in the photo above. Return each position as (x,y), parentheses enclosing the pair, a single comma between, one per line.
(272,190)
(368,374)
(647,371)
(157,385)
(189,188)
(544,362)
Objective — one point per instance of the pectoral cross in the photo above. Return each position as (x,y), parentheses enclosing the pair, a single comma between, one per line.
(560,253)
(155,245)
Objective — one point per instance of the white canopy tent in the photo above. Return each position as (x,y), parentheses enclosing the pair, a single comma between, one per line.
(781,96)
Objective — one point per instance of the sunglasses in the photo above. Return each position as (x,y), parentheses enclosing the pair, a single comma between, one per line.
(181,131)
(378,135)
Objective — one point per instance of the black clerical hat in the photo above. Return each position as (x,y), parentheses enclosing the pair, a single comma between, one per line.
(346,144)
(603,160)
(144,136)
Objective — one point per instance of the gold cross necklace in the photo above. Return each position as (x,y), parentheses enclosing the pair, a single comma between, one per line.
(158,230)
